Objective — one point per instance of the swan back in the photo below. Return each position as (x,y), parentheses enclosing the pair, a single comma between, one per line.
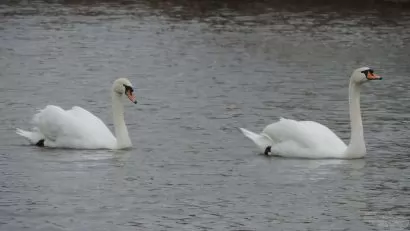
(74,128)
(304,139)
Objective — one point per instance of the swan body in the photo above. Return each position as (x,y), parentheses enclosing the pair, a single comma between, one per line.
(78,128)
(309,139)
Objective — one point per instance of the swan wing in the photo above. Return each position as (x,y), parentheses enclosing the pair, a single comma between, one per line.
(74,128)
(307,139)
(50,121)
(92,121)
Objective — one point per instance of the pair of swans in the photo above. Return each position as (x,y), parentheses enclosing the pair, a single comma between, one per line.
(79,128)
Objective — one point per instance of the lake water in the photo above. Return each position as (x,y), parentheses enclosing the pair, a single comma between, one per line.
(200,72)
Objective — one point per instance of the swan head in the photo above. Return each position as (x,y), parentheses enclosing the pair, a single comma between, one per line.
(123,86)
(364,74)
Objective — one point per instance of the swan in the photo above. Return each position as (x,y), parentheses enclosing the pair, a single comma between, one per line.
(78,128)
(309,139)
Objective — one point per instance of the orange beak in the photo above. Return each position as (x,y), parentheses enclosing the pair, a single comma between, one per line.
(371,76)
(131,96)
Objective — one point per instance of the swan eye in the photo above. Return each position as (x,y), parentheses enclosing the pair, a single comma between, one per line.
(366,72)
(128,88)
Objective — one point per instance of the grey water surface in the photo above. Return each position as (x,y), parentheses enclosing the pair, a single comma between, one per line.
(200,73)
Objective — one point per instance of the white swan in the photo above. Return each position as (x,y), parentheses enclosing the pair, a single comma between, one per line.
(308,139)
(79,128)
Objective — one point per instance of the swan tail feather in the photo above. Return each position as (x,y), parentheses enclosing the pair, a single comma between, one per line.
(34,137)
(262,141)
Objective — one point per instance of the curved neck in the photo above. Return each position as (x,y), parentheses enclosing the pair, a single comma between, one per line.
(356,146)
(121,132)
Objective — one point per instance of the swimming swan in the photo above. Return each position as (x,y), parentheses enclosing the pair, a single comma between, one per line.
(309,139)
(78,128)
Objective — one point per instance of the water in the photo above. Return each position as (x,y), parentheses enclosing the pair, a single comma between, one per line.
(199,74)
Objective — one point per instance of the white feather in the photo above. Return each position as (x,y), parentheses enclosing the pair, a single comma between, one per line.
(261,140)
(308,139)
(79,128)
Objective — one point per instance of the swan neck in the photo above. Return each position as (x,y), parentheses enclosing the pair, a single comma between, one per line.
(121,131)
(356,145)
